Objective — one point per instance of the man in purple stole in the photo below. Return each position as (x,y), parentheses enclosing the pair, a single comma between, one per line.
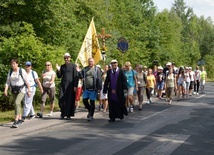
(116,85)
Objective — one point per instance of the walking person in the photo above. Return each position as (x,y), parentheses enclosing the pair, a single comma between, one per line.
(203,78)
(192,81)
(92,84)
(181,81)
(188,79)
(48,85)
(141,76)
(197,80)
(68,86)
(33,80)
(79,88)
(116,84)
(171,86)
(150,85)
(17,82)
(104,97)
(160,80)
(132,84)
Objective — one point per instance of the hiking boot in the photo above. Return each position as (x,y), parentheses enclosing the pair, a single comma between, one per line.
(20,122)
(15,124)
(31,117)
(40,114)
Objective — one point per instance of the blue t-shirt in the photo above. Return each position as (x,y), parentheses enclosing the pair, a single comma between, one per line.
(130,78)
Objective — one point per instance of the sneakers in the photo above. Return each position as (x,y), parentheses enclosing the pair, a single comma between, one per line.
(31,117)
(15,124)
(23,118)
(127,109)
(50,114)
(131,109)
(197,93)
(148,102)
(170,102)
(90,118)
(40,114)
(20,122)
(194,93)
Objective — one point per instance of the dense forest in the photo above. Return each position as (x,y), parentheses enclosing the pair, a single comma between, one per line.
(41,30)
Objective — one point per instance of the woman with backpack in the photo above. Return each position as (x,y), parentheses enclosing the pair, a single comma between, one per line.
(17,82)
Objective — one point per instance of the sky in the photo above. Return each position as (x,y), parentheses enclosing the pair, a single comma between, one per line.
(200,7)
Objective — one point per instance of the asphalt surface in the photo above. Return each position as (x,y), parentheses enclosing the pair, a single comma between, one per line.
(184,128)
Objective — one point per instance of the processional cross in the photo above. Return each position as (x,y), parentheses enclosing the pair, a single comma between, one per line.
(103,36)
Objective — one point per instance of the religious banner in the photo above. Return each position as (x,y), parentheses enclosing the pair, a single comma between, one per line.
(90,46)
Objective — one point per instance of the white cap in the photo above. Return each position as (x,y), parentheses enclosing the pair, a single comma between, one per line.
(190,67)
(67,55)
(168,64)
(114,61)
(160,67)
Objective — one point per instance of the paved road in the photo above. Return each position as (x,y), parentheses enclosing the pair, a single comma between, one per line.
(184,128)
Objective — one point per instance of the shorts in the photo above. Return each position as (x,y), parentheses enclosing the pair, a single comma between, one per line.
(50,92)
(191,85)
(130,91)
(160,85)
(103,96)
(202,82)
(78,94)
(90,94)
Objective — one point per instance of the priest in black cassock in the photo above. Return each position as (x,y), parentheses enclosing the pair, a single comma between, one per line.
(69,82)
(116,85)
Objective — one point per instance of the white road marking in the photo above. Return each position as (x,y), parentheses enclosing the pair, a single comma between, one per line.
(157,113)
(201,96)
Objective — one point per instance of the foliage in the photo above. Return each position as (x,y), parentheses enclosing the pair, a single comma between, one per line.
(42,30)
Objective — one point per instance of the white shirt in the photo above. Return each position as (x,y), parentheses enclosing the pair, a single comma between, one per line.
(47,78)
(197,74)
(192,76)
(15,79)
(31,80)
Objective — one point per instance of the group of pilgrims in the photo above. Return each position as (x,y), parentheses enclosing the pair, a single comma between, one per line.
(117,90)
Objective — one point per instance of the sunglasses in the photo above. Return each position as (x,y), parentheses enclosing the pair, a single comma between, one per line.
(66,58)
(28,65)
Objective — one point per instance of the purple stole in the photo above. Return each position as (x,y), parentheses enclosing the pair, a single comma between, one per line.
(114,77)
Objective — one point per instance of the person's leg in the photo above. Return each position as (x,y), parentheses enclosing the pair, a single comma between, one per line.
(198,84)
(51,94)
(42,105)
(105,104)
(92,103)
(28,104)
(140,97)
(17,103)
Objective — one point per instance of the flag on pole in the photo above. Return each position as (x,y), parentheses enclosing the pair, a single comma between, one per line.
(90,46)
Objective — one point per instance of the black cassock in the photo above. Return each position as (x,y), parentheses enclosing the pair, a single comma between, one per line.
(117,109)
(69,80)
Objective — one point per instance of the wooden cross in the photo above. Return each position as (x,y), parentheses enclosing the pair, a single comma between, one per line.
(103,37)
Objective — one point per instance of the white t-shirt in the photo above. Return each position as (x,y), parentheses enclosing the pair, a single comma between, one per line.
(187,77)
(192,76)
(47,78)
(197,74)
(31,80)
(15,79)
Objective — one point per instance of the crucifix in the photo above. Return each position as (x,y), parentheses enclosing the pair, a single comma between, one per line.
(103,36)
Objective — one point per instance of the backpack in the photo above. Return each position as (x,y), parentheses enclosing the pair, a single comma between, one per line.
(20,73)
